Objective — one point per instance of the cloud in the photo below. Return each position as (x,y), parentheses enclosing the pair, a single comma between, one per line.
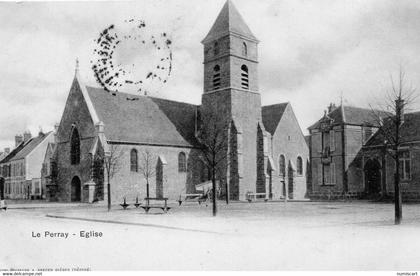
(340,50)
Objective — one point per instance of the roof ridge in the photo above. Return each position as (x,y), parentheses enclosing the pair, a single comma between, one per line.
(364,108)
(141,96)
(414,112)
(34,140)
(113,91)
(83,88)
(285,103)
(174,101)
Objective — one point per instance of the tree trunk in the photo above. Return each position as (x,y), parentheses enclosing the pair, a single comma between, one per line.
(147,188)
(398,197)
(227,191)
(109,194)
(213,180)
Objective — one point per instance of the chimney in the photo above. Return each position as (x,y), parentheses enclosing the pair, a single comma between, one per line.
(6,150)
(18,140)
(27,136)
(331,107)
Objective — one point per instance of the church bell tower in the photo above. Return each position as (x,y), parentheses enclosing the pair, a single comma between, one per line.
(230,54)
(231,91)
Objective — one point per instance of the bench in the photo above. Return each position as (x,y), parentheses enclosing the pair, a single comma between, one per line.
(194,197)
(148,206)
(124,204)
(250,196)
(137,204)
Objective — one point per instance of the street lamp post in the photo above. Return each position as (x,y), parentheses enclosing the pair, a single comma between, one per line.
(108,157)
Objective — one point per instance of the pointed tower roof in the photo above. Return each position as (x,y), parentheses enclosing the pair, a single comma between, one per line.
(229,21)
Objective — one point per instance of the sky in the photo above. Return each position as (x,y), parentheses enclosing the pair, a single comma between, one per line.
(311,53)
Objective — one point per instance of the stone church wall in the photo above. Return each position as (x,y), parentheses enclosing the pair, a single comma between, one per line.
(76,114)
(289,141)
(130,184)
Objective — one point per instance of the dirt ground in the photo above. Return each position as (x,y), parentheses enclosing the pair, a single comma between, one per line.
(244,236)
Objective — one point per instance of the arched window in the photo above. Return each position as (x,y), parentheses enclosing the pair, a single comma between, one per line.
(75,147)
(216,77)
(244,49)
(216,48)
(134,167)
(299,166)
(244,77)
(182,162)
(282,165)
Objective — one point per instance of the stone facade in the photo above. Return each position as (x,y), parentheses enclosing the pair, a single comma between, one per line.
(355,161)
(76,116)
(334,168)
(335,152)
(384,186)
(379,166)
(129,184)
(288,141)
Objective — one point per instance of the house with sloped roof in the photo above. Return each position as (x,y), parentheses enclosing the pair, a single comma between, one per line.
(3,155)
(97,123)
(379,166)
(336,142)
(22,167)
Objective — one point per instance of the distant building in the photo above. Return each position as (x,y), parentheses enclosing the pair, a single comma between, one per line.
(336,142)
(379,167)
(267,150)
(21,168)
(2,181)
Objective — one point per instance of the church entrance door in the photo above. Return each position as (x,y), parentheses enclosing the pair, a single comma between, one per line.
(76,189)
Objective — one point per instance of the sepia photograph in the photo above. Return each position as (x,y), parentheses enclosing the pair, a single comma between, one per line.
(203,136)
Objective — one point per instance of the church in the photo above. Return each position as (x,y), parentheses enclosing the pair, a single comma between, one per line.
(266,154)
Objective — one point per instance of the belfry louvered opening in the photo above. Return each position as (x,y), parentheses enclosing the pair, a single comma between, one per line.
(244,77)
(216,77)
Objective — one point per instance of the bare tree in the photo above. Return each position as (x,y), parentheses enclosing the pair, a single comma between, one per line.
(147,167)
(397,101)
(213,137)
(112,164)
